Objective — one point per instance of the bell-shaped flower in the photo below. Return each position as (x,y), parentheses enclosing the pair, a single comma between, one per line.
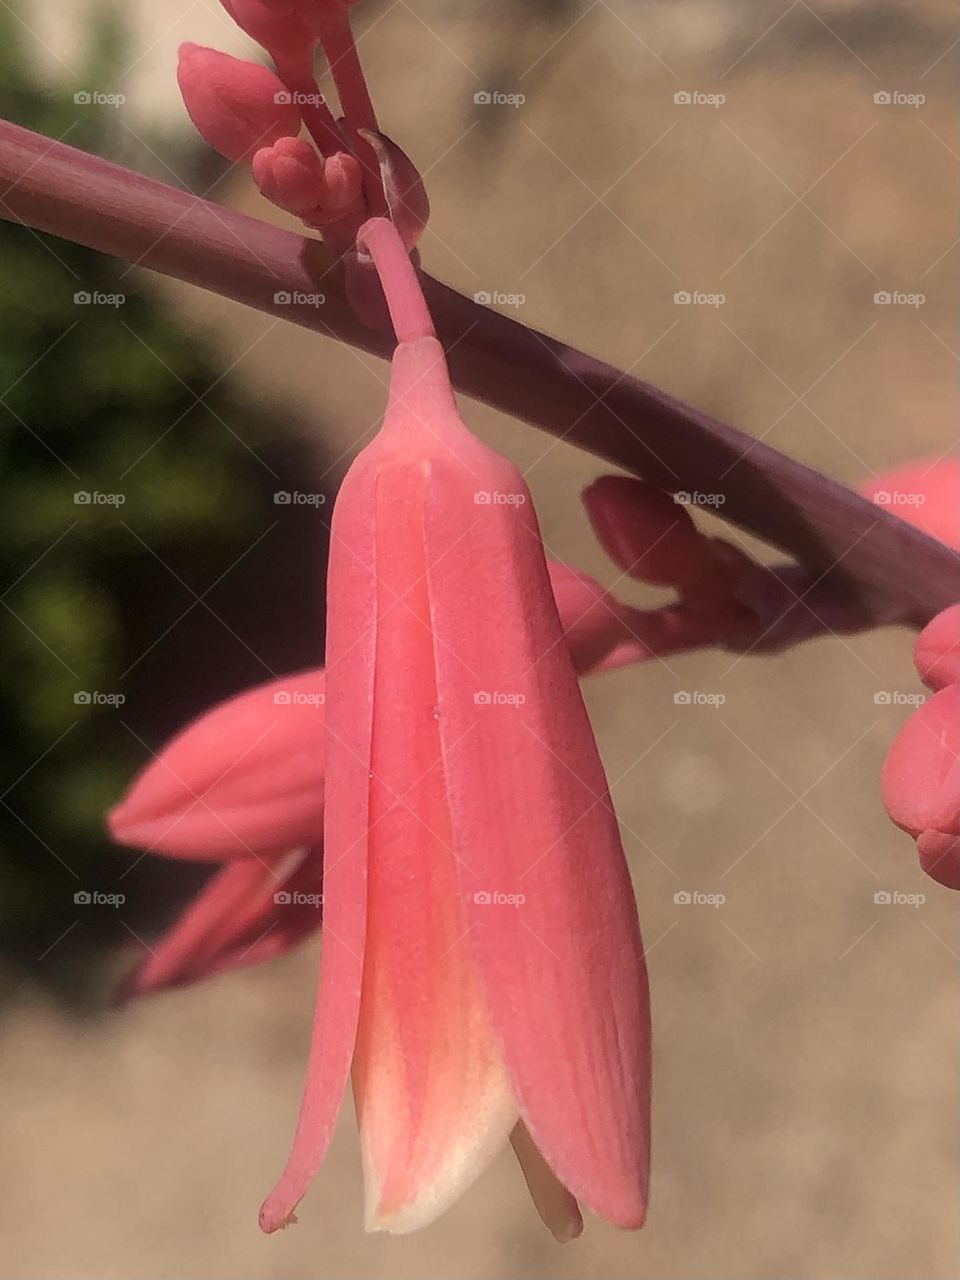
(482,966)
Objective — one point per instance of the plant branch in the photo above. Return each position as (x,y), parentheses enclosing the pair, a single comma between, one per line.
(857,556)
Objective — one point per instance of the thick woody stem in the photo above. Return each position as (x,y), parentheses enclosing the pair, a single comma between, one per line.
(880,568)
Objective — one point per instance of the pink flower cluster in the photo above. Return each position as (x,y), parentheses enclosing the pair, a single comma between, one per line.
(347,170)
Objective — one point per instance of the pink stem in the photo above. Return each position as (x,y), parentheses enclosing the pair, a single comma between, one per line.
(341,50)
(298,76)
(355,103)
(883,570)
(401,285)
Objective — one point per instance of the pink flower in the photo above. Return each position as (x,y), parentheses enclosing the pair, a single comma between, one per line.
(482,966)
(237,106)
(921,784)
(921,774)
(252,910)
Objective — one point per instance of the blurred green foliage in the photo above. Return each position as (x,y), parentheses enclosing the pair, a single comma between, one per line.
(95,400)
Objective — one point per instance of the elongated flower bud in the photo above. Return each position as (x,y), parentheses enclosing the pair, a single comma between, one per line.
(237,106)
(245,779)
(290,175)
(645,532)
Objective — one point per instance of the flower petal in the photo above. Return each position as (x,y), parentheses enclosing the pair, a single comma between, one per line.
(939,854)
(531,819)
(936,653)
(245,778)
(557,1208)
(351,644)
(250,911)
(917,771)
(433,1100)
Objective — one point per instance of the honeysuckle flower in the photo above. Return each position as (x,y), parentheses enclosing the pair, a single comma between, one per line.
(482,966)
(237,106)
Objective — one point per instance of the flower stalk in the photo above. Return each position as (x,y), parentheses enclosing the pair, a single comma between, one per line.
(851,552)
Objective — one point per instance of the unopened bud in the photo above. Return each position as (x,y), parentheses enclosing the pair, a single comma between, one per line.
(295,178)
(237,106)
(290,175)
(645,532)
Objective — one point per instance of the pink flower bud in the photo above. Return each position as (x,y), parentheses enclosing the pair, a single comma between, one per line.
(937,650)
(343,189)
(921,784)
(294,177)
(291,175)
(645,532)
(237,106)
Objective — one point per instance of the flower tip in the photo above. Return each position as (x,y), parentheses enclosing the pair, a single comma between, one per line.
(237,106)
(271,1221)
(939,854)
(645,532)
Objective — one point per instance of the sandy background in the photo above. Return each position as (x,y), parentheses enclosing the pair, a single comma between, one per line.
(806,1037)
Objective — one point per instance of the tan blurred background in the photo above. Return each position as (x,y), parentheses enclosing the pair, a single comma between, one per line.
(806,1103)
